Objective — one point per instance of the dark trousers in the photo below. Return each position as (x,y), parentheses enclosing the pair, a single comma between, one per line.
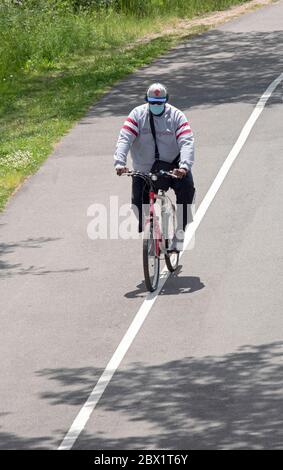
(184,190)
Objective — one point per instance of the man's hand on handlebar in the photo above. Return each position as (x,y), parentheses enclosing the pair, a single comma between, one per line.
(180,172)
(122,170)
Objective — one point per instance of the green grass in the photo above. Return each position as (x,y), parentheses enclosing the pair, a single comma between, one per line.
(54,64)
(41,108)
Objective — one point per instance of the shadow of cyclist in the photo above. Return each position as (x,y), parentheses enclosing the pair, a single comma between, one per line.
(176,284)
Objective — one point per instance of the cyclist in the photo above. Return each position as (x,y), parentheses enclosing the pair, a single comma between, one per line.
(174,142)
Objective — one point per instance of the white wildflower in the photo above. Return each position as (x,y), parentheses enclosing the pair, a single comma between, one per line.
(17,160)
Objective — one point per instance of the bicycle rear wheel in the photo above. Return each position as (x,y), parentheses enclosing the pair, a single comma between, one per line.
(151,260)
(171,259)
(169,225)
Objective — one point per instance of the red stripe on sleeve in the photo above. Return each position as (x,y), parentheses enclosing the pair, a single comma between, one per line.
(130,129)
(132,121)
(182,125)
(184,132)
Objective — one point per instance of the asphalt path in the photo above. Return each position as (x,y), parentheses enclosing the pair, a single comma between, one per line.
(205,370)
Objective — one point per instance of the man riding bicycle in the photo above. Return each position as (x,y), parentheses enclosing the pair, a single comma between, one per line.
(159,135)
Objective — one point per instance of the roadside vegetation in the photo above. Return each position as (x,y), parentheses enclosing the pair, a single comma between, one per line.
(58,56)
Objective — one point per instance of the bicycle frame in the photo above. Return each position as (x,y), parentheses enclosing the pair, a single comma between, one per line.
(155,241)
(152,218)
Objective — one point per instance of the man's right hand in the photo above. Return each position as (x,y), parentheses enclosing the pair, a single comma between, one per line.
(122,170)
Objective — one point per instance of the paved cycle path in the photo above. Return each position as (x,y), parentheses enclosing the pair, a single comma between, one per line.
(205,370)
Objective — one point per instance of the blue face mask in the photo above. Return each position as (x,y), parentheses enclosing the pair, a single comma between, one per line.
(157,108)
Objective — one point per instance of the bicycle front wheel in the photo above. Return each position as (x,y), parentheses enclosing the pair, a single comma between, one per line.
(151,260)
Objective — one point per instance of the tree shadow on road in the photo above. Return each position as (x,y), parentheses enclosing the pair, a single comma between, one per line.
(214,68)
(232,401)
(11,441)
(8,269)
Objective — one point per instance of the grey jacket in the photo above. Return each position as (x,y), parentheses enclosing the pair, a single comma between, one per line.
(173,134)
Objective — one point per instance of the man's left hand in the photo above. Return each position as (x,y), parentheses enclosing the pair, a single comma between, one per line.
(180,172)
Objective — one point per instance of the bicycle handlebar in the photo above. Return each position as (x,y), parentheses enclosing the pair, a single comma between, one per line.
(152,176)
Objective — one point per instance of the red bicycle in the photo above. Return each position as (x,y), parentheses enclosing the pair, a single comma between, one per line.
(158,235)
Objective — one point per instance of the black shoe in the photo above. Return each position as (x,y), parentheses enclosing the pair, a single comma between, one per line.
(173,250)
(176,245)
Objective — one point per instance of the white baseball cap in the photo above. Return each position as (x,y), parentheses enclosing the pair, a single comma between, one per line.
(157,93)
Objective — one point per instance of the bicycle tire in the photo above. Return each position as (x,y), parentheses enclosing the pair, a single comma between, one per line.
(171,260)
(150,258)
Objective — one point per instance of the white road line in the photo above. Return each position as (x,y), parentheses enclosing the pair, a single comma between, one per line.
(207,200)
(97,392)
